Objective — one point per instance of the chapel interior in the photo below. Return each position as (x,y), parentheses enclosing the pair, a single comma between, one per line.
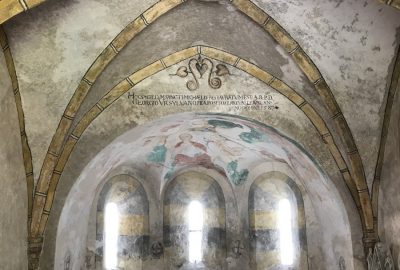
(200,134)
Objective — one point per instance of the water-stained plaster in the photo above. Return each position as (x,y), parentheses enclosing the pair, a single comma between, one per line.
(353,44)
(168,35)
(44,38)
(352,50)
(123,116)
(127,149)
(389,212)
(13,200)
(53,45)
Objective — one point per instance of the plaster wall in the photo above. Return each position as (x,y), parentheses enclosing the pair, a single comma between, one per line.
(119,157)
(123,115)
(389,197)
(13,199)
(53,46)
(352,42)
(189,25)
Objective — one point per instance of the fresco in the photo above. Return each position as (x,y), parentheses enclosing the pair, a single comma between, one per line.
(229,145)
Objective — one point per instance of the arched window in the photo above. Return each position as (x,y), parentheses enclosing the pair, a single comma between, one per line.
(195,220)
(277,224)
(122,233)
(194,223)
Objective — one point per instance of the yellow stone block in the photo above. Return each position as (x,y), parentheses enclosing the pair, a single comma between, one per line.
(129,225)
(130,263)
(180,56)
(327,96)
(260,220)
(76,100)
(396,3)
(159,9)
(101,62)
(251,10)
(288,92)
(176,215)
(9,8)
(69,146)
(219,55)
(86,120)
(115,93)
(335,152)
(306,65)
(46,173)
(133,225)
(214,217)
(129,32)
(3,37)
(281,36)
(266,259)
(33,3)
(146,72)
(315,118)
(254,71)
(58,139)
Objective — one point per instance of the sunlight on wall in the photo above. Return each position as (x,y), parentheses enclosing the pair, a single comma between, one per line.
(195,221)
(285,232)
(111,222)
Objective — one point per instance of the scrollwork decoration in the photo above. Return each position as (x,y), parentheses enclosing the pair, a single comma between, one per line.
(198,67)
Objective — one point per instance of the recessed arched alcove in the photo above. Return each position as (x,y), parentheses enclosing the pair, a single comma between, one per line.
(232,153)
(194,223)
(277,223)
(122,225)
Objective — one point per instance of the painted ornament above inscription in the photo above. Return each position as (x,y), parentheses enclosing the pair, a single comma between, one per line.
(203,77)
(200,67)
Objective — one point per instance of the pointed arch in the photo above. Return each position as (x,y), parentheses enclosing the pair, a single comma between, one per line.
(62,144)
(225,57)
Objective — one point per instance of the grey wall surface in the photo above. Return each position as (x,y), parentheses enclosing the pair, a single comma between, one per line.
(330,226)
(389,196)
(13,199)
(352,42)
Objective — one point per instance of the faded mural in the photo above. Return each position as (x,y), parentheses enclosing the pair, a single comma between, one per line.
(172,156)
(185,95)
(214,142)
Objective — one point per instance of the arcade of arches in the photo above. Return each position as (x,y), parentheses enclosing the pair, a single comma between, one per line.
(200,134)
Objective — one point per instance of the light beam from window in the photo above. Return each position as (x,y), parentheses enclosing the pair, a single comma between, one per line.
(111,231)
(195,220)
(285,232)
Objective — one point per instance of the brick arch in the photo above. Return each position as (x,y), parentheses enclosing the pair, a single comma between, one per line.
(26,150)
(11,8)
(135,78)
(393,3)
(61,145)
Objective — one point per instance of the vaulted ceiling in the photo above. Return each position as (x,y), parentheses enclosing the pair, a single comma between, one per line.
(67,58)
(11,8)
